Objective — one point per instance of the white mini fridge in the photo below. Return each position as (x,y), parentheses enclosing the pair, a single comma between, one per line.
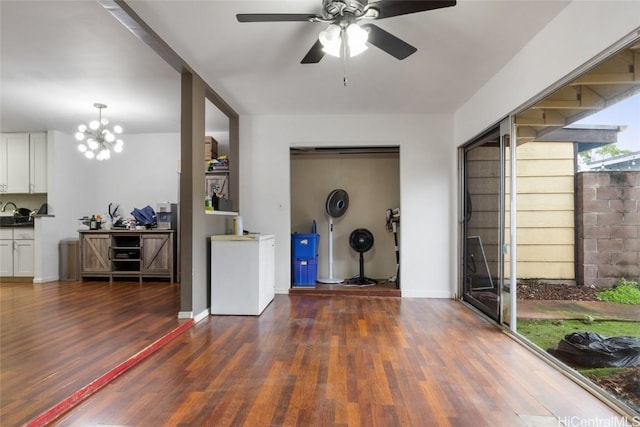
(242,273)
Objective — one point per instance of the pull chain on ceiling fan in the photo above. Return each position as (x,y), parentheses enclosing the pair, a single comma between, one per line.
(345,36)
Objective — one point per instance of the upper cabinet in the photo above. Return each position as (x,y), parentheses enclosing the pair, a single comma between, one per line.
(23,162)
(38,162)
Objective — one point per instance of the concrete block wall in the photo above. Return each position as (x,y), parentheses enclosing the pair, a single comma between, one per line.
(608,227)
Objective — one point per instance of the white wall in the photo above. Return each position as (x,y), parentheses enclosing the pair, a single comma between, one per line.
(144,173)
(579,33)
(427,183)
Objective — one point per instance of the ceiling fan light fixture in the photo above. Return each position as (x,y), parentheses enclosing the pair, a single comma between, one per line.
(334,36)
(357,37)
(331,40)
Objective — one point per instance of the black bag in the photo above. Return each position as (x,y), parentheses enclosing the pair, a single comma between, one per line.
(591,350)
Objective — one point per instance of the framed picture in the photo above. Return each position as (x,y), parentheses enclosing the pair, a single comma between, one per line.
(217,183)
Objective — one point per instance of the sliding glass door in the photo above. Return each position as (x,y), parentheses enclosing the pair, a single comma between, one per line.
(483,222)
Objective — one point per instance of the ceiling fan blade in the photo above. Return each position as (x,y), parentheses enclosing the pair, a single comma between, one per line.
(388,42)
(274,17)
(389,8)
(314,55)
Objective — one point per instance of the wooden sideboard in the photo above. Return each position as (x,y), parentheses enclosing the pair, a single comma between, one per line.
(127,253)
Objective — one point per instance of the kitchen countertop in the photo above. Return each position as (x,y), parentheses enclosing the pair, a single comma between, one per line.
(16,224)
(21,221)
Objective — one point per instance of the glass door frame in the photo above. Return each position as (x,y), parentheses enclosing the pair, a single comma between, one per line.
(504,312)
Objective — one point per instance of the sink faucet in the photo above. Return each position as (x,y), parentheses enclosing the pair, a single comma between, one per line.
(8,203)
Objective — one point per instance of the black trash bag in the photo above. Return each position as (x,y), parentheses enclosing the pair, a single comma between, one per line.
(145,216)
(591,350)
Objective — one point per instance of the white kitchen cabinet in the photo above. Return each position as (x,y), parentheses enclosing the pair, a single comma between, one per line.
(17,252)
(23,162)
(6,252)
(23,258)
(38,162)
(242,274)
(15,163)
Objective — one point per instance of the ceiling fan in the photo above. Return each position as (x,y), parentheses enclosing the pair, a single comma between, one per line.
(344,36)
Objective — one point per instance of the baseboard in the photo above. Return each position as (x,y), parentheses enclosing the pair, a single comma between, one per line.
(419,293)
(196,318)
(202,315)
(45,279)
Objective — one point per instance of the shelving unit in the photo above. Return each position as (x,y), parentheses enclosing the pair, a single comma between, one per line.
(135,253)
(126,254)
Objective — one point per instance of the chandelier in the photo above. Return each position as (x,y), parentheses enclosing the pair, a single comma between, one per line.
(100,140)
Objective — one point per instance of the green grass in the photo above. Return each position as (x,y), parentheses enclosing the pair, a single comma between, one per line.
(601,372)
(623,292)
(547,333)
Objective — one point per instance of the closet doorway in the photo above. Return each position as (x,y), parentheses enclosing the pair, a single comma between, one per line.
(371,178)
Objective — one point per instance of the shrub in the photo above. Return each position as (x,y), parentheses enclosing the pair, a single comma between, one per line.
(623,292)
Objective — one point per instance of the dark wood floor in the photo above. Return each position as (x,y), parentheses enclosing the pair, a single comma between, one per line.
(58,337)
(382,288)
(307,360)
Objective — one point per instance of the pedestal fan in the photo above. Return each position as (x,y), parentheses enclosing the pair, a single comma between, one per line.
(336,206)
(361,241)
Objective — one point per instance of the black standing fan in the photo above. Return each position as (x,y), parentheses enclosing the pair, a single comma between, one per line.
(336,206)
(361,240)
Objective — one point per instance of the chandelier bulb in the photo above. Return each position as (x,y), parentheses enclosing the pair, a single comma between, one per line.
(79,136)
(82,128)
(117,129)
(89,154)
(94,125)
(109,137)
(82,148)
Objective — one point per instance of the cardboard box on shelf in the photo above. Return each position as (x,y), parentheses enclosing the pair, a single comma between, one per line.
(210,148)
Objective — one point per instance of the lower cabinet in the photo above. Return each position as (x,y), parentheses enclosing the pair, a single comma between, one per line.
(139,254)
(157,256)
(16,252)
(94,253)
(242,274)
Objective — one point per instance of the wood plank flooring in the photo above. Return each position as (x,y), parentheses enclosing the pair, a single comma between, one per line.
(380,289)
(58,337)
(343,361)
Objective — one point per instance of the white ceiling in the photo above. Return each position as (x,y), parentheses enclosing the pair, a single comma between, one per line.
(60,57)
